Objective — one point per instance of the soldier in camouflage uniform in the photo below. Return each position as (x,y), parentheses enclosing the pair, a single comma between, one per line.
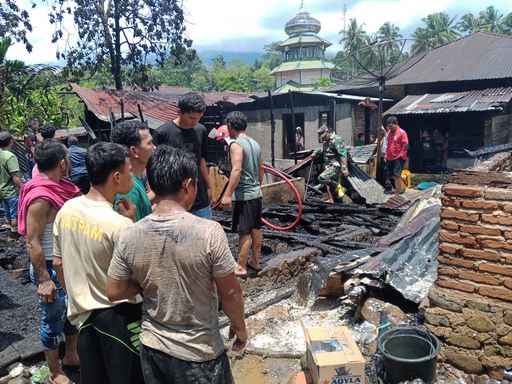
(334,155)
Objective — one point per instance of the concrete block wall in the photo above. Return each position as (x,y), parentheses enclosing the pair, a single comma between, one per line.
(471,302)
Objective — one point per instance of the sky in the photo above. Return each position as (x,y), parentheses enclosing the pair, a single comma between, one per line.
(247,25)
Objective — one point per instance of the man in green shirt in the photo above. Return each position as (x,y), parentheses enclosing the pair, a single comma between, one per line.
(135,136)
(334,155)
(10,183)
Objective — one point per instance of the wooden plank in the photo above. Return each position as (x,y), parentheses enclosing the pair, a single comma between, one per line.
(334,285)
(217,182)
(280,192)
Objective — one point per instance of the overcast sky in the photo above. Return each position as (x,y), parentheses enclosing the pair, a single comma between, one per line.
(247,25)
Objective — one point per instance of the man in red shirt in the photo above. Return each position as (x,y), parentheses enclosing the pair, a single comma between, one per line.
(396,152)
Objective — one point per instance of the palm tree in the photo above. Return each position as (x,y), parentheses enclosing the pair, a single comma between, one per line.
(506,24)
(389,32)
(492,20)
(439,29)
(354,38)
(470,24)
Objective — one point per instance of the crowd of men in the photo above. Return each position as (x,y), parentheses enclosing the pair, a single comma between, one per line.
(127,262)
(126,258)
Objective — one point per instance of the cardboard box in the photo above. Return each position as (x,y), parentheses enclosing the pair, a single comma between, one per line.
(333,356)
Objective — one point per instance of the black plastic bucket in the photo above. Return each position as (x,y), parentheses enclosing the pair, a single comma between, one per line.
(409,353)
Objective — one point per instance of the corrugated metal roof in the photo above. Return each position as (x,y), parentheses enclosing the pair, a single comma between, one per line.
(155,108)
(304,64)
(478,56)
(363,153)
(369,189)
(491,99)
(307,39)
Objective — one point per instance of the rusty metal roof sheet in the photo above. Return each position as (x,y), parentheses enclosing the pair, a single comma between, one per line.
(156,109)
(369,189)
(491,99)
(362,154)
(210,98)
(479,56)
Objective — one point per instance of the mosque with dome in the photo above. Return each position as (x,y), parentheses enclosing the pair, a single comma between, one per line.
(303,54)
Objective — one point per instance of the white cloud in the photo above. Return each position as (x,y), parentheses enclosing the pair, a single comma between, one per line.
(242,25)
(211,22)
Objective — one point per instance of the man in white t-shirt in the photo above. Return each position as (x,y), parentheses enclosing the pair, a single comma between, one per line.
(85,232)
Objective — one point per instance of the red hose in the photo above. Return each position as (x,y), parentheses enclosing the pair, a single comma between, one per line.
(297,195)
(295,191)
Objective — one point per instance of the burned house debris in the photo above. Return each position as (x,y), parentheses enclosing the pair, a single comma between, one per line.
(435,261)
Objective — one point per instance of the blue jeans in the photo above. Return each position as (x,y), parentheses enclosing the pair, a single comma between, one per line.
(205,213)
(11,208)
(53,315)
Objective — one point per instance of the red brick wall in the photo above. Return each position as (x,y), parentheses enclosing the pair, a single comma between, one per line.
(476,240)
(475,263)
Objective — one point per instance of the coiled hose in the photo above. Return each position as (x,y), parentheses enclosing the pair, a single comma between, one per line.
(279,174)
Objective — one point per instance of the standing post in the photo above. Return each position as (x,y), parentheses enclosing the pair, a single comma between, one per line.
(332,114)
(290,93)
(379,133)
(272,130)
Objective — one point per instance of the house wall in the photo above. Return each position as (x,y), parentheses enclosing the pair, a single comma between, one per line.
(258,126)
(359,122)
(471,302)
(498,130)
(304,76)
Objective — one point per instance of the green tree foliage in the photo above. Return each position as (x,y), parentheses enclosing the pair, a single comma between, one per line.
(489,20)
(469,23)
(390,34)
(272,57)
(263,80)
(439,29)
(364,52)
(32,91)
(321,82)
(120,33)
(15,23)
(492,20)
(506,25)
(384,47)
(354,38)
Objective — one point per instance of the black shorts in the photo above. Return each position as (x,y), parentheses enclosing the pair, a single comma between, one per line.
(109,346)
(395,167)
(161,368)
(246,216)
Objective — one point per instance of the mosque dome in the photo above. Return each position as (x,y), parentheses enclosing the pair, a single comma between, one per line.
(302,23)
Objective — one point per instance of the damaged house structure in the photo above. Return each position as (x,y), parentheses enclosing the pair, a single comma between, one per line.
(460,92)
(311,110)
(106,106)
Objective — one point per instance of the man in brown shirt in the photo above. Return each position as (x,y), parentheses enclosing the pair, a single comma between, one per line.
(183,265)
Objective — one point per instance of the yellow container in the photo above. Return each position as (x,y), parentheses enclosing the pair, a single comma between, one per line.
(406,179)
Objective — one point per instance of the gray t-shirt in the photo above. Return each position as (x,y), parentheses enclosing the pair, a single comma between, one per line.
(175,259)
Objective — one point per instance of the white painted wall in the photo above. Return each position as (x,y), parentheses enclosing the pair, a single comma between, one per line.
(304,76)
(259,126)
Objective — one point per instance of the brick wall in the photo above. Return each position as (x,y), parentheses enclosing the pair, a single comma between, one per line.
(471,302)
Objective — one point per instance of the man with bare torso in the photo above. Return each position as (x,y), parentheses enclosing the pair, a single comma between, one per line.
(40,200)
